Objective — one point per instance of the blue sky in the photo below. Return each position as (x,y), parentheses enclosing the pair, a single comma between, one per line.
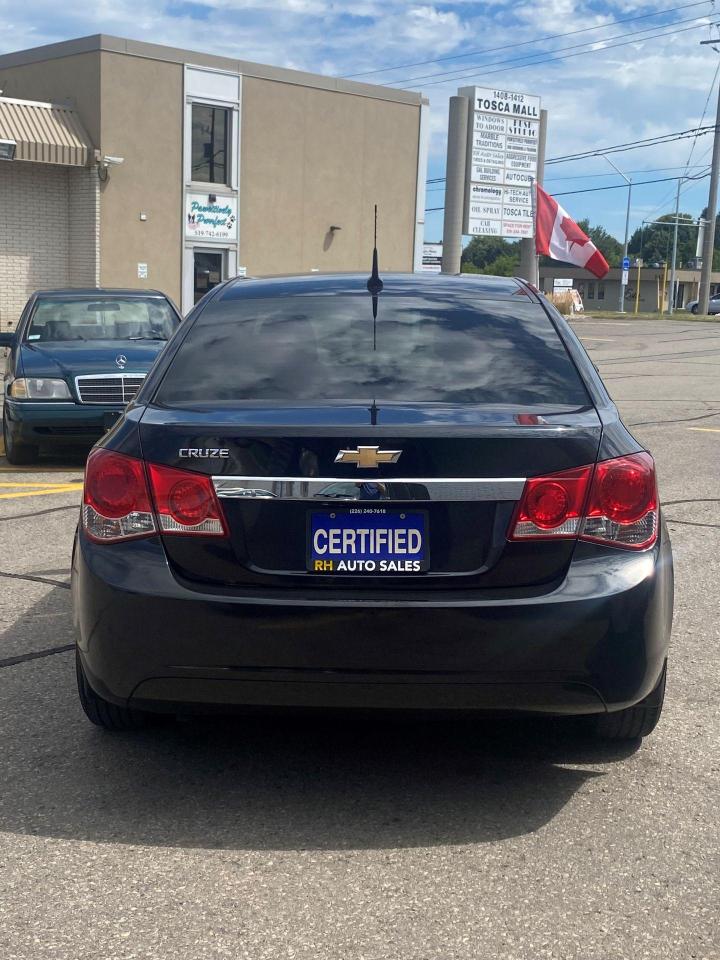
(604,95)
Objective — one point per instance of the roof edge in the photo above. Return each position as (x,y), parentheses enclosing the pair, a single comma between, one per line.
(107,43)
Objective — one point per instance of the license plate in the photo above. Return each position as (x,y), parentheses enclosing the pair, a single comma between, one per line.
(368,540)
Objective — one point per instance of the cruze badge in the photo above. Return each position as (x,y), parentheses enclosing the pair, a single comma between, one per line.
(121,360)
(368,457)
(203,453)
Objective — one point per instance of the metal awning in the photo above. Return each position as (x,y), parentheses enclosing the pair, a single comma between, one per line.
(45,132)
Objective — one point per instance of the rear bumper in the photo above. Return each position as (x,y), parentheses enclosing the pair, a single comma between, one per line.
(39,423)
(596,642)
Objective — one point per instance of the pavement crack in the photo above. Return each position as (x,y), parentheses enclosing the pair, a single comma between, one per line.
(647,423)
(29,576)
(38,655)
(693,523)
(671,503)
(39,513)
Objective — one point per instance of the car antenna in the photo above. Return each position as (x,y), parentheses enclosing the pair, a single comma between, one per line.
(374,286)
(374,283)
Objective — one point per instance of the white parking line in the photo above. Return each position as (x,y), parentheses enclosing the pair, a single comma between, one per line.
(604,339)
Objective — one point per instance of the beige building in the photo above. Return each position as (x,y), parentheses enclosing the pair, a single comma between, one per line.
(129,164)
(652,295)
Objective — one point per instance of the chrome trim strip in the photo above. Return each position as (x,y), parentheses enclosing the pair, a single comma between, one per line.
(109,376)
(419,488)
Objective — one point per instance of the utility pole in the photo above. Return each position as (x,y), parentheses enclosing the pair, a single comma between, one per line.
(674,253)
(528,255)
(628,181)
(458,114)
(709,240)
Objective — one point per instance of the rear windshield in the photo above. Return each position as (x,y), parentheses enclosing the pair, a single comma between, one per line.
(101,318)
(442,350)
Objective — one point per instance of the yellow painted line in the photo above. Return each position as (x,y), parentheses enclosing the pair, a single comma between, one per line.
(37,468)
(36,483)
(61,488)
(705,429)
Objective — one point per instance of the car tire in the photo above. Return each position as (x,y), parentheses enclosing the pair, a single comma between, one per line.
(18,454)
(694,309)
(637,721)
(102,713)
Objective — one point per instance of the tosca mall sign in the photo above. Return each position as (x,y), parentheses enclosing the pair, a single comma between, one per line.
(210,219)
(502,160)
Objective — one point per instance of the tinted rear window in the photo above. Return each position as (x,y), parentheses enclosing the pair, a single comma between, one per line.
(441,349)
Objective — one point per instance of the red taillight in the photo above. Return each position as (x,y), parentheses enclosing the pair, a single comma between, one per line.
(619,506)
(185,502)
(116,499)
(552,506)
(623,504)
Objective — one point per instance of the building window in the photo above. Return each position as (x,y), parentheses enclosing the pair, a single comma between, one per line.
(210,129)
(591,290)
(601,291)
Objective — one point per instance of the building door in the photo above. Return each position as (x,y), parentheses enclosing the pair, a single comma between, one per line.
(208,271)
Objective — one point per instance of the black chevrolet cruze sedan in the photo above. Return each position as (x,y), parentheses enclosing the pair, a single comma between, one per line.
(327,494)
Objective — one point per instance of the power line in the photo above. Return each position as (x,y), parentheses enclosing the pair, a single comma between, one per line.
(594,176)
(623,186)
(668,196)
(615,186)
(481,73)
(707,101)
(523,43)
(542,53)
(659,140)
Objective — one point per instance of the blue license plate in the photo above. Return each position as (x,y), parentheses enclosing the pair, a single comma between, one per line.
(368,540)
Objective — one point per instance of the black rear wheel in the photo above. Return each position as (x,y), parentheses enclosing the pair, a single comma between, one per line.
(19,454)
(694,309)
(101,712)
(637,721)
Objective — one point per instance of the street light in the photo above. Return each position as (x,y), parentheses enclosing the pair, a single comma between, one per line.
(628,181)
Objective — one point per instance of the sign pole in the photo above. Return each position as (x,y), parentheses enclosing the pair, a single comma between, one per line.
(675,246)
(529,260)
(637,291)
(459,111)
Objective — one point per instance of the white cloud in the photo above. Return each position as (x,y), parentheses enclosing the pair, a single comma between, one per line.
(598,98)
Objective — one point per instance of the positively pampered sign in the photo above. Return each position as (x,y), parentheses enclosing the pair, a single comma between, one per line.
(216,220)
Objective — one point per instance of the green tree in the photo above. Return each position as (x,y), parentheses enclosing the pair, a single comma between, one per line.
(482,253)
(608,246)
(506,265)
(653,242)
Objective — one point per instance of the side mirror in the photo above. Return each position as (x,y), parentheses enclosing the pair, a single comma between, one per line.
(7,339)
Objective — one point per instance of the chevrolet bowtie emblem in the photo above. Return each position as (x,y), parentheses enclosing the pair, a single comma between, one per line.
(368,457)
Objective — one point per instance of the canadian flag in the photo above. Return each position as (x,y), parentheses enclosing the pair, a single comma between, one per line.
(559,237)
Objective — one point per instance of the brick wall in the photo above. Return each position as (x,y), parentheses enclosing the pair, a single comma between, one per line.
(83,228)
(49,227)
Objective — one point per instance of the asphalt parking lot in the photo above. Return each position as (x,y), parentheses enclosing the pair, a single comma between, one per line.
(404,840)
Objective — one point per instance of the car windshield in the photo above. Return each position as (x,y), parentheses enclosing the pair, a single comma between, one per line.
(101,318)
(442,349)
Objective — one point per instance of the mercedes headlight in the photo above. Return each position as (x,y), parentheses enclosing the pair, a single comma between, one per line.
(39,388)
